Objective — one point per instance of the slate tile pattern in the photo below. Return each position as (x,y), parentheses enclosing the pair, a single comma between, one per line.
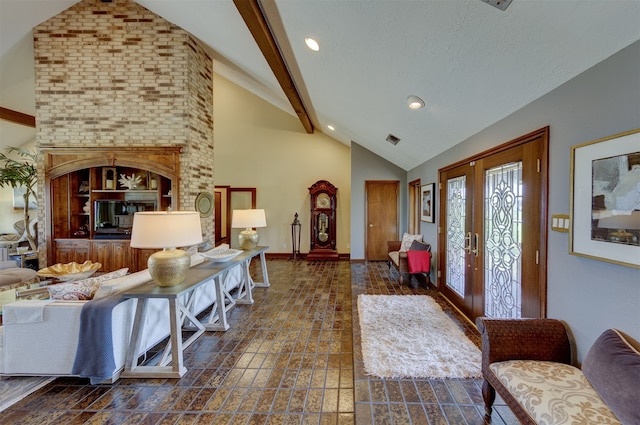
(292,357)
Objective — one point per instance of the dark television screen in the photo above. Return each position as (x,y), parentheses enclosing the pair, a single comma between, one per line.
(115,216)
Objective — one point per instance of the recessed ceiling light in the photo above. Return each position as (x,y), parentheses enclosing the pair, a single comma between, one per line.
(330,127)
(312,44)
(415,102)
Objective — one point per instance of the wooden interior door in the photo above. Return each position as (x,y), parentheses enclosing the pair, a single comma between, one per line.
(381,217)
(493,231)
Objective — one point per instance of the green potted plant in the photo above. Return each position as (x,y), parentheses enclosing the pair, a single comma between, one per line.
(21,172)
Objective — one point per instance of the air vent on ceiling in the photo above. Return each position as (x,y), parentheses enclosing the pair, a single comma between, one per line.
(500,4)
(393,139)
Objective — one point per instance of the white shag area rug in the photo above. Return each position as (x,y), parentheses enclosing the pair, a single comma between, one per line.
(13,389)
(409,336)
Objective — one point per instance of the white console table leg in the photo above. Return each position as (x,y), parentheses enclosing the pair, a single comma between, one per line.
(265,275)
(219,316)
(245,296)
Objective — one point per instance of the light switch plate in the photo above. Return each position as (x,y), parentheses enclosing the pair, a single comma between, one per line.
(560,222)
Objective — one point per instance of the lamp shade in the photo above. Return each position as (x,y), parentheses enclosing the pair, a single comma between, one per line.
(165,229)
(248,219)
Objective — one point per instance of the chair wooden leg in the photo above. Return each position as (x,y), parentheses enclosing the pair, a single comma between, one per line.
(489,396)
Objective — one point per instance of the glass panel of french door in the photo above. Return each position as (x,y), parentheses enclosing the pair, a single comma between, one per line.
(456,225)
(456,213)
(503,201)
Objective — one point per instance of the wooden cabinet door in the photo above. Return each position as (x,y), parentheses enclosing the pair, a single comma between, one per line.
(113,255)
(67,251)
(120,255)
(100,253)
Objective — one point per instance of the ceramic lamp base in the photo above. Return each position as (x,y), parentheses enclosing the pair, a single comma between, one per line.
(248,239)
(169,267)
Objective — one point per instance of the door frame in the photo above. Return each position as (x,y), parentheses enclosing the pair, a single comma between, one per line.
(366,211)
(543,169)
(414,206)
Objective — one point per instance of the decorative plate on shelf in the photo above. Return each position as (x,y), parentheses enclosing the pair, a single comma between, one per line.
(221,255)
(71,271)
(204,204)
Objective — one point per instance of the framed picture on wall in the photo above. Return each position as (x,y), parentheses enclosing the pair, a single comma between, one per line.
(18,199)
(605,199)
(427,202)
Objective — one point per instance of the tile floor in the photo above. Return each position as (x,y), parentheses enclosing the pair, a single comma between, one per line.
(287,359)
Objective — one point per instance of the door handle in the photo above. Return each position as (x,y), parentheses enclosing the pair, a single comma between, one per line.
(468,246)
(477,242)
(371,225)
(467,242)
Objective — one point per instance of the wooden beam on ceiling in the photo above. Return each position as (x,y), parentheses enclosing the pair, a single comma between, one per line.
(257,24)
(17,117)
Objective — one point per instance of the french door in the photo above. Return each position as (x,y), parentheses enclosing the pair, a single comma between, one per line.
(492,259)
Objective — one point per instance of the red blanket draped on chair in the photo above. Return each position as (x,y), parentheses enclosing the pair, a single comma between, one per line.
(419,261)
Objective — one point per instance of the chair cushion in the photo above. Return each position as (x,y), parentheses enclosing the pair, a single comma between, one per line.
(553,393)
(419,246)
(395,257)
(612,367)
(407,240)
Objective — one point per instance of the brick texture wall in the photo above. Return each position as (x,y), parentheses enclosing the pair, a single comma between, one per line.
(115,74)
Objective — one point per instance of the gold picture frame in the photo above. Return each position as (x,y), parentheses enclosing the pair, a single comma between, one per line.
(605,199)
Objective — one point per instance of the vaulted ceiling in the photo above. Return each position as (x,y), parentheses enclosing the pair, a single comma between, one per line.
(472,64)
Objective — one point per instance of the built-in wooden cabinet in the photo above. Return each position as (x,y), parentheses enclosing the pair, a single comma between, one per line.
(112,254)
(90,211)
(81,208)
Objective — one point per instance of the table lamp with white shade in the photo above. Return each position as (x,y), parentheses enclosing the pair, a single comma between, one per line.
(167,230)
(248,219)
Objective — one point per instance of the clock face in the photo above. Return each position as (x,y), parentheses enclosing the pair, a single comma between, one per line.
(323,201)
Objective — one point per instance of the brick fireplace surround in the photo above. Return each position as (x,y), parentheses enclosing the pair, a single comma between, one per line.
(115,74)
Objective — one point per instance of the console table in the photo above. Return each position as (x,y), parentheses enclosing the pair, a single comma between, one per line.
(180,312)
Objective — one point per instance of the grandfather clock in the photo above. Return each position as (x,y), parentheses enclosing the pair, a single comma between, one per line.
(323,221)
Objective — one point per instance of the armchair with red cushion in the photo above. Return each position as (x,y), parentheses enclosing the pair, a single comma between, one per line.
(418,264)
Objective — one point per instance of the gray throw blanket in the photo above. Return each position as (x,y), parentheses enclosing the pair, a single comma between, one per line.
(94,355)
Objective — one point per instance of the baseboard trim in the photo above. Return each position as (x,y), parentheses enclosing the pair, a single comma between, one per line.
(303,256)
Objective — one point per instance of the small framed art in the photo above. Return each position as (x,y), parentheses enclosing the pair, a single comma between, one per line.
(427,202)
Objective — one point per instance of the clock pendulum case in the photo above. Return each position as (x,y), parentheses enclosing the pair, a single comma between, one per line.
(323,221)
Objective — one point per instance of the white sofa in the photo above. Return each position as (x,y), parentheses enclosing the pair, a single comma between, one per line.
(44,341)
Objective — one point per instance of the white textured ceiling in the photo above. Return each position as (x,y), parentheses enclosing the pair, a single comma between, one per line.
(472,63)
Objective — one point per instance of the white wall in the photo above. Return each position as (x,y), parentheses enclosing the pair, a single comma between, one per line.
(589,295)
(365,165)
(258,145)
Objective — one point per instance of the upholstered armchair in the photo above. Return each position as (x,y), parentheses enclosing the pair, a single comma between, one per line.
(397,258)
